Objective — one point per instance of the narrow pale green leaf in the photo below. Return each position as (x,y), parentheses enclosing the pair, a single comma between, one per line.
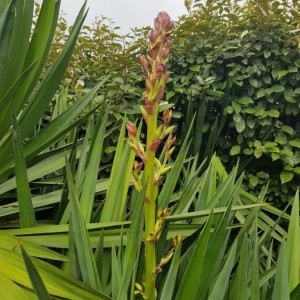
(36,51)
(255,290)
(189,283)
(20,36)
(85,255)
(215,250)
(134,241)
(93,162)
(60,125)
(27,216)
(35,278)
(57,282)
(222,282)
(293,245)
(172,177)
(72,267)
(116,273)
(281,284)
(269,272)
(207,212)
(6,29)
(120,177)
(239,287)
(43,95)
(10,242)
(6,99)
(170,282)
(12,291)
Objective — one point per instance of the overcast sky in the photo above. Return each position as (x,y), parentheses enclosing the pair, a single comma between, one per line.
(125,13)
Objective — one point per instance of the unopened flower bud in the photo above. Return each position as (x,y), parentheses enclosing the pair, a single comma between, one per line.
(159,68)
(131,129)
(160,94)
(149,107)
(167,116)
(154,145)
(170,142)
(163,21)
(144,64)
(153,52)
(164,54)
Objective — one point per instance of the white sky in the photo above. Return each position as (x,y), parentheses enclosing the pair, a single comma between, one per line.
(125,13)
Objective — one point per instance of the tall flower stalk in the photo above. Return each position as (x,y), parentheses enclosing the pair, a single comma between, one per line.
(155,72)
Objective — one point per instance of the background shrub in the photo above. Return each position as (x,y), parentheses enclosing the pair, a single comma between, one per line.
(234,64)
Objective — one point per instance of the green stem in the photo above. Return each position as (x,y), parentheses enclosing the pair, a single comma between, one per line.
(150,210)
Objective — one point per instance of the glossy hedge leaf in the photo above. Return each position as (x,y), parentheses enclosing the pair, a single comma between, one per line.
(253,180)
(258,152)
(287,129)
(288,95)
(297,92)
(240,126)
(273,113)
(295,143)
(267,53)
(260,93)
(263,175)
(286,176)
(236,107)
(282,73)
(245,100)
(254,82)
(277,88)
(235,150)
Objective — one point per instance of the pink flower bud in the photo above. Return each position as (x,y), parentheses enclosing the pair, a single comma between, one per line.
(154,51)
(163,21)
(152,36)
(144,64)
(160,94)
(131,129)
(153,79)
(154,145)
(167,116)
(159,68)
(149,107)
(164,54)
(169,143)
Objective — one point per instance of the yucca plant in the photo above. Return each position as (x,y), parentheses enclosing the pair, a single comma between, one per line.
(209,238)
(28,141)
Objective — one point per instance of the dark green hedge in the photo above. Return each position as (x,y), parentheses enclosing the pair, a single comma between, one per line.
(238,69)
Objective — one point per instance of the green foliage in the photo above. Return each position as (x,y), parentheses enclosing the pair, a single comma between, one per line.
(90,243)
(236,65)
(27,144)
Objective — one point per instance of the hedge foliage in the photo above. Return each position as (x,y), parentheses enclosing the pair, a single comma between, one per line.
(234,64)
